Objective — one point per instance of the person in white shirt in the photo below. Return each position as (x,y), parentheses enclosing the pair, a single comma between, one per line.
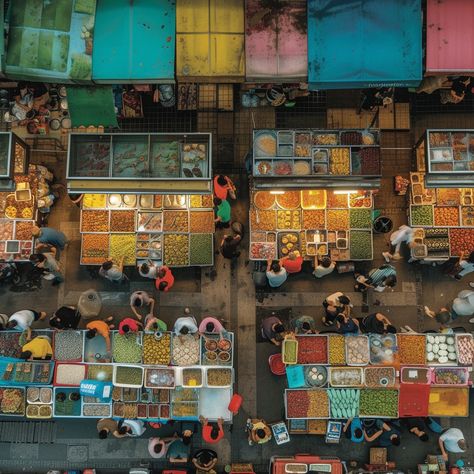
(466,265)
(324,267)
(452,441)
(112,272)
(186,325)
(148,270)
(403,234)
(141,299)
(23,319)
(135,428)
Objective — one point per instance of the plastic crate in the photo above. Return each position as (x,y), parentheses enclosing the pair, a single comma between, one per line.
(295,376)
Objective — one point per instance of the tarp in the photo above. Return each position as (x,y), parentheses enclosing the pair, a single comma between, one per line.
(364,43)
(91,106)
(276,40)
(449,37)
(134,41)
(50,41)
(210,40)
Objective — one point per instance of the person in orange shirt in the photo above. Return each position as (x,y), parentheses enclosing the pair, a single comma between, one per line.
(164,279)
(293,262)
(212,433)
(101,328)
(223,185)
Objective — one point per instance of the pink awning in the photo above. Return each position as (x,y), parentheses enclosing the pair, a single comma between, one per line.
(449,37)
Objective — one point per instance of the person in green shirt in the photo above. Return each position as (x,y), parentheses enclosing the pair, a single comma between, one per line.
(222,213)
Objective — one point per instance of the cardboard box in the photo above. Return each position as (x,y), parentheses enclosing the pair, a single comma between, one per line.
(378,455)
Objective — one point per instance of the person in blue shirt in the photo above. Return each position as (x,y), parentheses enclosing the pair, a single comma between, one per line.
(276,275)
(354,430)
(347,325)
(389,436)
(50,236)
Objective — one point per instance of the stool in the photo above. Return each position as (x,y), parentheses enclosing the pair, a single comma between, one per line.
(235,403)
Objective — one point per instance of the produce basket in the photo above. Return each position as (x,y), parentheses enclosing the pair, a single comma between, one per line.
(344,403)
(69,375)
(217,351)
(346,377)
(441,349)
(378,403)
(379,377)
(357,350)
(289,350)
(465,349)
(449,376)
(66,408)
(12,401)
(306,404)
(159,377)
(128,376)
(383,348)
(415,375)
(219,377)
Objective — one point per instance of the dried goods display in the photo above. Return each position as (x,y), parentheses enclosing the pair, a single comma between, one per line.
(411,349)
(441,349)
(149,221)
(95,248)
(337,219)
(94,221)
(175,221)
(351,138)
(421,215)
(287,242)
(192,377)
(128,376)
(448,401)
(184,410)
(360,245)
(157,349)
(70,374)
(344,403)
(262,220)
(315,376)
(265,143)
(378,403)
(448,197)
(312,349)
(219,377)
(91,158)
(67,402)
(357,350)
(335,201)
(201,222)
(345,376)
(379,376)
(96,410)
(22,230)
(176,249)
(307,403)
(370,161)
(314,219)
(336,350)
(100,372)
(94,201)
(122,246)
(360,199)
(263,250)
(201,249)
(446,216)
(264,200)
(12,401)
(122,221)
(325,139)
(383,348)
(313,199)
(461,241)
(289,200)
(186,350)
(288,220)
(465,344)
(360,219)
(68,345)
(339,161)
(10,344)
(164,378)
(130,156)
(467,216)
(127,349)
(6,229)
(415,375)
(165,161)
(450,376)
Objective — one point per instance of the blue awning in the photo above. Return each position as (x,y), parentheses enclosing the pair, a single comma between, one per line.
(364,43)
(134,41)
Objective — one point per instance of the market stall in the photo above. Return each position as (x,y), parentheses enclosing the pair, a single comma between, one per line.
(374,376)
(449,37)
(301,196)
(210,41)
(362,45)
(276,42)
(134,41)
(155,377)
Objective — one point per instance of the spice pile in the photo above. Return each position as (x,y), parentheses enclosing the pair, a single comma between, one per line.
(307,403)
(378,403)
(219,377)
(312,349)
(412,349)
(337,350)
(192,377)
(126,349)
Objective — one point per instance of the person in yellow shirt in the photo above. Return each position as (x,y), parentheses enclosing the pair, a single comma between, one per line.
(101,328)
(37,348)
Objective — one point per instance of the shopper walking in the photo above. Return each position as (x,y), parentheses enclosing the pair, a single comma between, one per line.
(23,319)
(223,187)
(39,348)
(48,235)
(335,304)
(403,234)
(258,431)
(141,299)
(376,323)
(223,213)
(113,272)
(164,279)
(452,441)
(229,247)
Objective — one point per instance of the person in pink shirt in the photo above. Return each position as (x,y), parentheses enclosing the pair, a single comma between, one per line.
(211,325)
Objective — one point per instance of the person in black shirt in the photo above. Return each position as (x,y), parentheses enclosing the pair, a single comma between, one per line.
(229,246)
(376,323)
(417,427)
(66,317)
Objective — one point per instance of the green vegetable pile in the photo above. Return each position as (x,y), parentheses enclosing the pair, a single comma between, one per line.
(421,215)
(361,245)
(344,402)
(379,403)
(360,219)
(126,349)
(201,249)
(129,376)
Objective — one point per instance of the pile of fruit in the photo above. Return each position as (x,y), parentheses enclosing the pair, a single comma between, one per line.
(95,248)
(95,221)
(378,403)
(360,245)
(157,351)
(461,241)
(314,219)
(307,403)
(123,246)
(126,349)
(312,349)
(360,219)
(337,219)
(201,250)
(201,222)
(412,349)
(421,215)
(446,216)
(176,249)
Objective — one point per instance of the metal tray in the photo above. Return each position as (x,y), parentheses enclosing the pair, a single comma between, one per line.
(296,245)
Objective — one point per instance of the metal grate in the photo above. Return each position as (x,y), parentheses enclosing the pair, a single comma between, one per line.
(27,432)
(431,104)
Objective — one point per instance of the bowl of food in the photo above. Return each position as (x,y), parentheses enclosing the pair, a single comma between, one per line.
(224,356)
(211,356)
(224,344)
(210,345)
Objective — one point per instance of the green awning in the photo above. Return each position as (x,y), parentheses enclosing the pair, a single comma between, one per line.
(91,106)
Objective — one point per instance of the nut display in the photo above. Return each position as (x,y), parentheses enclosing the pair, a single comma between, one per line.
(307,403)
(176,249)
(461,241)
(344,403)
(219,377)
(465,349)
(411,349)
(6,230)
(289,200)
(345,376)
(201,222)
(97,410)
(175,221)
(70,374)
(94,221)
(129,375)
(185,350)
(450,376)
(123,245)
(314,219)
(351,138)
(288,242)
(22,230)
(360,245)
(360,219)
(357,350)
(379,376)
(264,200)
(100,372)
(157,351)
(95,248)
(288,220)
(312,349)
(126,349)
(446,216)
(122,221)
(336,350)
(201,249)
(68,345)
(335,201)
(192,377)
(421,215)
(441,349)
(337,219)
(378,403)
(12,401)
(339,161)
(150,221)
(262,220)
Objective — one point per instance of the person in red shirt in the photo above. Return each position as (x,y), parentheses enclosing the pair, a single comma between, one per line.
(164,279)
(212,433)
(223,185)
(128,325)
(292,263)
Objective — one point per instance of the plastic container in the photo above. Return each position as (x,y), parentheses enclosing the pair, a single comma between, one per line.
(341,372)
(210,370)
(295,376)
(415,375)
(195,376)
(105,410)
(89,304)
(95,350)
(365,351)
(21,410)
(159,377)
(72,371)
(39,412)
(413,400)
(315,376)
(450,376)
(67,408)
(446,401)
(289,347)
(383,348)
(135,368)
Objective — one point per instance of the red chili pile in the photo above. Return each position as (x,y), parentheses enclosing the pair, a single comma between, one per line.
(370,161)
(297,403)
(312,349)
(461,240)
